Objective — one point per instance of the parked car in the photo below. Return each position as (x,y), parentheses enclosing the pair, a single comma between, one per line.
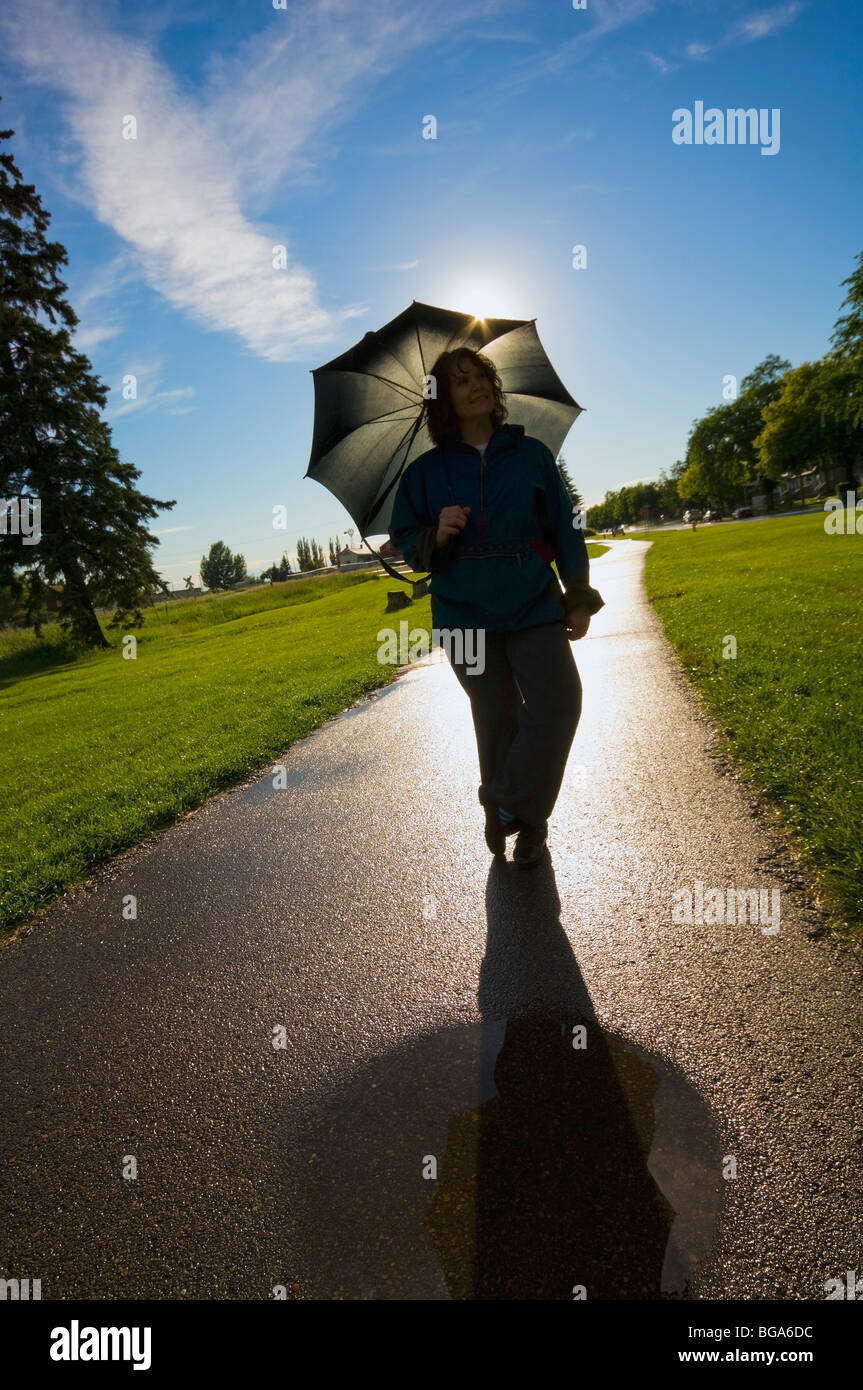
(713,514)
(741,512)
(693,514)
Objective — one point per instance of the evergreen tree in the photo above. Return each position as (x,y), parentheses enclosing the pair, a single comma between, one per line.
(847,340)
(279,571)
(574,494)
(54,446)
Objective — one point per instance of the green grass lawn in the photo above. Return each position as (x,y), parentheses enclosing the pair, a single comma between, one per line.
(97,750)
(790,705)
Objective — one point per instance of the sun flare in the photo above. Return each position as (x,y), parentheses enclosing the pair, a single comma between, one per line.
(484,297)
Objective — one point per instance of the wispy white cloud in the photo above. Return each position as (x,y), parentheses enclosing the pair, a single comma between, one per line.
(661,64)
(147,402)
(747,30)
(764,23)
(586,134)
(87,339)
(145,378)
(177,193)
(486,35)
(97,302)
(589,27)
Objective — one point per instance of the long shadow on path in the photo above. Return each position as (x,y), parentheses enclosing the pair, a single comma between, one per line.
(531,1156)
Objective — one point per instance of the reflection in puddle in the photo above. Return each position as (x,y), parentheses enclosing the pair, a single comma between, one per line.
(556,1167)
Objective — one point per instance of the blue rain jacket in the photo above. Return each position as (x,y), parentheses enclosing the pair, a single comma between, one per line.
(496,573)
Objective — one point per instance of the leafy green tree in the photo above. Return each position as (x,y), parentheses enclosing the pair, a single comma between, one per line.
(220,569)
(809,423)
(667,496)
(607,513)
(54,446)
(721,455)
(310,555)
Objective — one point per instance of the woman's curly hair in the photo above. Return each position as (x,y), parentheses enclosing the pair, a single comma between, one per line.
(439,414)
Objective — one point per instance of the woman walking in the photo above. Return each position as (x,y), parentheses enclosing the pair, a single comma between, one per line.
(485,512)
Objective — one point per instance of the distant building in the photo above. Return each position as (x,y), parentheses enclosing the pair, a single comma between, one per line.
(351,559)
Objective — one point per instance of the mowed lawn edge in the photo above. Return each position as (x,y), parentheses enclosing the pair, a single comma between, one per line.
(784,595)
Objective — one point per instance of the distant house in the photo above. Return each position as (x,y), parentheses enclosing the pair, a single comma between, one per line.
(390,552)
(808,482)
(348,558)
(184,593)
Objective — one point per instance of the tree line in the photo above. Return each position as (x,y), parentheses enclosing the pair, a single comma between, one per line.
(784,421)
(220,569)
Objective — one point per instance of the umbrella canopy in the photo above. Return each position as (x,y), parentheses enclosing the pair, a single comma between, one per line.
(368,401)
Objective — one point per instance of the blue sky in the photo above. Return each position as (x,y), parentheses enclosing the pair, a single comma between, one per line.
(302,126)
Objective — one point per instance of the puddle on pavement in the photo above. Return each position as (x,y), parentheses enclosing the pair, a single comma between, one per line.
(556,1167)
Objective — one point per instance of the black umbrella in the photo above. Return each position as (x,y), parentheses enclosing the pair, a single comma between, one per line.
(368,403)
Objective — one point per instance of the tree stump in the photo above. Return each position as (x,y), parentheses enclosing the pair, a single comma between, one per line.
(396,598)
(419,589)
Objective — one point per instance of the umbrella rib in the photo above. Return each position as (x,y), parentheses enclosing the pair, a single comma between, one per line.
(382,497)
(420,346)
(408,392)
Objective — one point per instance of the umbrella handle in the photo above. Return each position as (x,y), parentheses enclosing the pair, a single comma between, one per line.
(393,572)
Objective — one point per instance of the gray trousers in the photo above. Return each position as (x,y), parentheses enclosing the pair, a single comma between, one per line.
(526,705)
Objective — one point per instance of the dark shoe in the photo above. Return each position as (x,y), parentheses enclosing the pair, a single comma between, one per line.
(496,832)
(494,835)
(529,845)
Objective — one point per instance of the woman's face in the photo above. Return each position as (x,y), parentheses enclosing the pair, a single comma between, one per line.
(470,389)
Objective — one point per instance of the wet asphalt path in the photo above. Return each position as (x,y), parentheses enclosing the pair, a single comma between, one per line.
(493,1083)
